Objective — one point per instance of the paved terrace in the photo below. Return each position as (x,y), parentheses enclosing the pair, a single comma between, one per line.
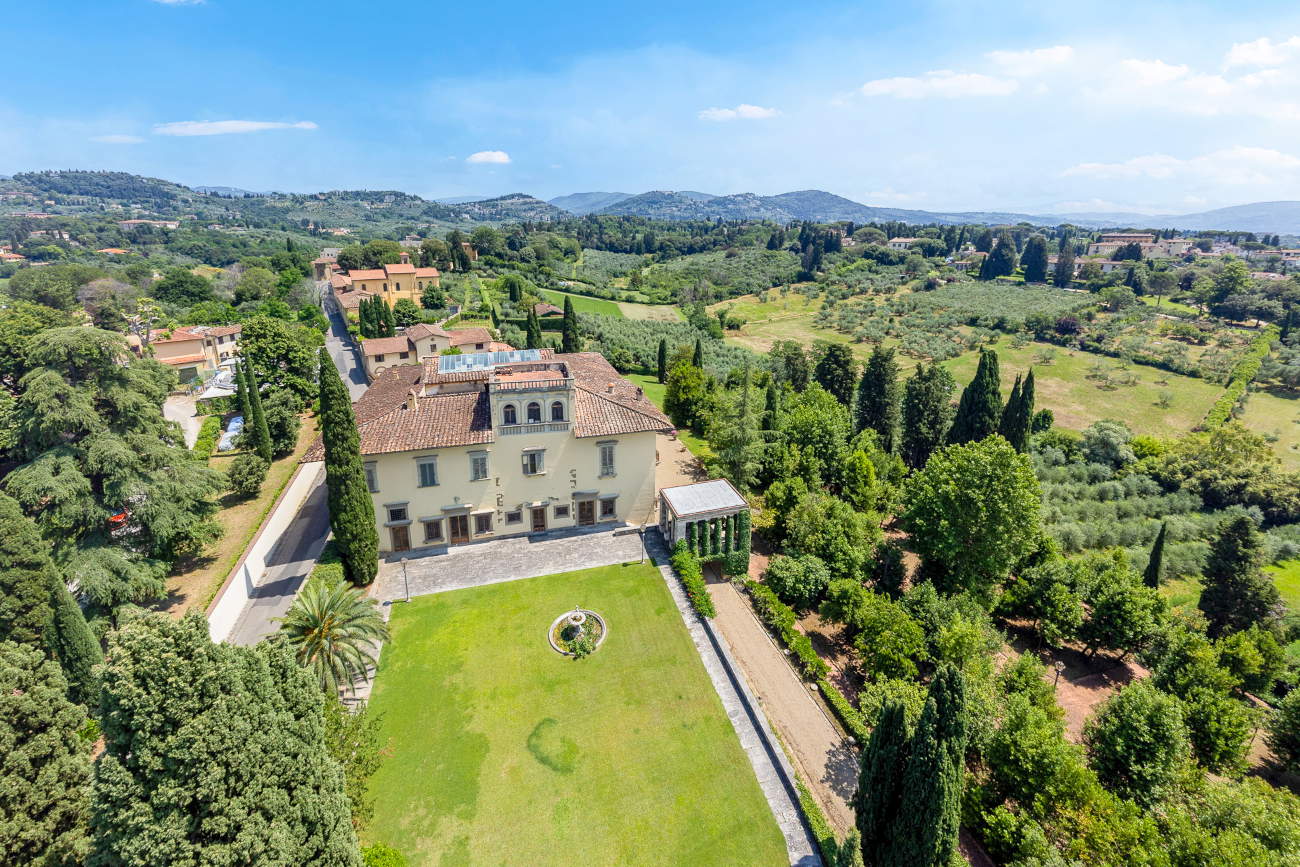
(493,561)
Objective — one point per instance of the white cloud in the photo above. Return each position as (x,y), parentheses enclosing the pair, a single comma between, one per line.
(1235,166)
(744,111)
(1262,52)
(117,139)
(942,83)
(498,157)
(1033,62)
(224,127)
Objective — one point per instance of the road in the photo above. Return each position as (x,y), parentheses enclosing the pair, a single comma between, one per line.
(301,543)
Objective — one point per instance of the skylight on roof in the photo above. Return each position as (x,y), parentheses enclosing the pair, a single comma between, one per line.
(485,360)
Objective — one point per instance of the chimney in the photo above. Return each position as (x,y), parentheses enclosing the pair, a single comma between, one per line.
(638,392)
(609,388)
(406,258)
(411,399)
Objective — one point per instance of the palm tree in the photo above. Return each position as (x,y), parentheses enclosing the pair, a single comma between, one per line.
(334,630)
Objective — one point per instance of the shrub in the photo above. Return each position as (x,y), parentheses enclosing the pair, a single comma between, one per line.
(1284,732)
(687,567)
(849,716)
(209,433)
(1245,370)
(246,474)
(798,581)
(380,855)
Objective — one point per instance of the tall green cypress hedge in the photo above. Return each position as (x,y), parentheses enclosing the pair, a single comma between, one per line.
(352,512)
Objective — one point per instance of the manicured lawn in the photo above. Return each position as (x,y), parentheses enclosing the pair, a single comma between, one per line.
(1276,415)
(1166,305)
(583,303)
(655,390)
(1286,575)
(1063,387)
(501,751)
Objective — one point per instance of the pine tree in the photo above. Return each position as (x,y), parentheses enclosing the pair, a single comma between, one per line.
(352,512)
(880,780)
(980,409)
(213,753)
(835,371)
(661,361)
(259,432)
(570,340)
(1034,259)
(1155,563)
(926,413)
(880,398)
(45,772)
(533,330)
(1237,594)
(697,358)
(929,812)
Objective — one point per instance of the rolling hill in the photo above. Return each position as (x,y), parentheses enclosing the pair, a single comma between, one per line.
(585,203)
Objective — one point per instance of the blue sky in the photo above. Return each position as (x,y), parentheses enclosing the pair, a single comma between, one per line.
(1169,107)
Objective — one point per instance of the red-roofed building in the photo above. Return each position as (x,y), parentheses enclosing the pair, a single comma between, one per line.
(390,282)
(483,446)
(193,350)
(422,341)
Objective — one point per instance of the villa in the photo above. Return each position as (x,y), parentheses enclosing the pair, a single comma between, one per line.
(193,350)
(485,445)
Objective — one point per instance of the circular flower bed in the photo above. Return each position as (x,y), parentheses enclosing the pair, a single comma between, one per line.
(577,633)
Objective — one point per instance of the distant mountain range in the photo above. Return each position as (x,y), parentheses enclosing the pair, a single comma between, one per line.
(356,208)
(821,206)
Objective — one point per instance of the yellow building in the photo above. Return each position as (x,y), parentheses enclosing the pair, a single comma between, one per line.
(195,350)
(391,282)
(418,342)
(486,445)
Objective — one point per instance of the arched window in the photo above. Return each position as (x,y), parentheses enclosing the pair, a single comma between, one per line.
(534,413)
(557,411)
(508,414)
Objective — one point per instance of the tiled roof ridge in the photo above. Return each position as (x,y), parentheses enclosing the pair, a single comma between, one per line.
(607,398)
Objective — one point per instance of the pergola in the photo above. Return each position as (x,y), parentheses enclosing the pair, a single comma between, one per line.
(701,511)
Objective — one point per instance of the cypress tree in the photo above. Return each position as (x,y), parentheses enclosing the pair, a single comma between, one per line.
(771,405)
(835,372)
(880,780)
(570,341)
(1035,259)
(73,644)
(1063,274)
(1018,414)
(261,434)
(352,512)
(1155,563)
(880,398)
(661,361)
(1001,262)
(1237,593)
(532,330)
(929,814)
(926,414)
(390,321)
(241,395)
(980,409)
(697,359)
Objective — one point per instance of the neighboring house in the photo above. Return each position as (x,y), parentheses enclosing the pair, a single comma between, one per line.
(544,310)
(421,341)
(1172,248)
(193,350)
(114,251)
(7,256)
(480,446)
(391,282)
(900,243)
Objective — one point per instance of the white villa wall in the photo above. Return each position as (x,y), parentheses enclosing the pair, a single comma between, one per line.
(572,473)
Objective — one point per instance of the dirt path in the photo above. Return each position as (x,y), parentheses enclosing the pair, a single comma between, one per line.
(825,760)
(676,466)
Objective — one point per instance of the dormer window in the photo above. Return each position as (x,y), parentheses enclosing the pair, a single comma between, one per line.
(534,413)
(508,415)
(557,411)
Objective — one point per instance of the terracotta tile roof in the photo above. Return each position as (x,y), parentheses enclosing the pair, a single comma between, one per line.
(352,300)
(174,335)
(385,345)
(225,330)
(423,330)
(182,359)
(595,415)
(389,388)
(426,272)
(339,280)
(545,309)
(462,336)
(438,421)
(368,274)
(400,269)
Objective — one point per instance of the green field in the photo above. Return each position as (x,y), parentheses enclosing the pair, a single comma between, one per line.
(1064,387)
(1276,415)
(651,312)
(583,303)
(1286,575)
(501,751)
(1167,305)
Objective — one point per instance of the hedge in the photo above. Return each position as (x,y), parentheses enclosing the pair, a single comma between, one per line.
(1243,372)
(206,441)
(779,617)
(821,828)
(849,716)
(687,567)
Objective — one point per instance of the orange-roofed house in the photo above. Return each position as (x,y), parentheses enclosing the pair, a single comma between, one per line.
(193,350)
(422,341)
(390,282)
